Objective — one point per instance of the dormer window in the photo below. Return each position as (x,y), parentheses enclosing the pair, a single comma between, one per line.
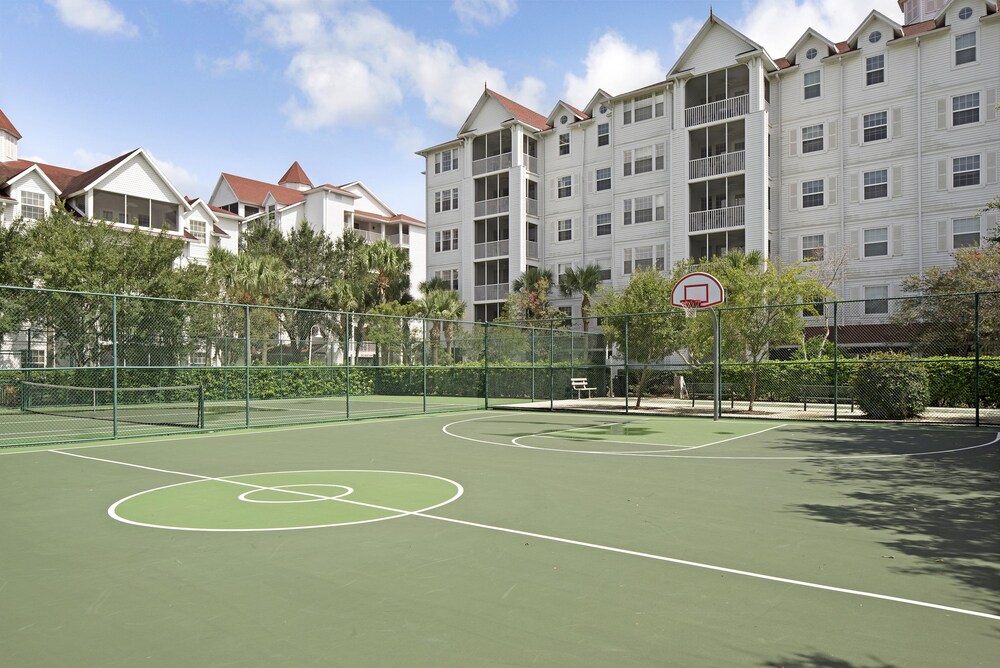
(811,53)
(964,13)
(874,37)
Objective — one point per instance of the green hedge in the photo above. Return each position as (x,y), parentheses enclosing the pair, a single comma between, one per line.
(891,386)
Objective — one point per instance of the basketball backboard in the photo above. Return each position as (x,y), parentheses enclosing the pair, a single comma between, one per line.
(698,287)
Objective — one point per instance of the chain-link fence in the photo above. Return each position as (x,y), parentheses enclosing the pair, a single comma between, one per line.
(78,366)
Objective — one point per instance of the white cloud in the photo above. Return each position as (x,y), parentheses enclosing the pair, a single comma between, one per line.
(616,66)
(483,12)
(183,180)
(97,16)
(685,31)
(835,21)
(352,65)
(85,160)
(238,62)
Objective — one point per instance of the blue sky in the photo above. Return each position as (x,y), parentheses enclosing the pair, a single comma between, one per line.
(349,89)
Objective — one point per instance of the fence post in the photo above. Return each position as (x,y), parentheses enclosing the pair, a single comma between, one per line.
(114,366)
(977,358)
(552,371)
(349,337)
(626,365)
(532,330)
(836,363)
(246,361)
(486,364)
(423,356)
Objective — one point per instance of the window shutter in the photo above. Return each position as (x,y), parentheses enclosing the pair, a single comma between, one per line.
(794,252)
(793,196)
(829,244)
(793,142)
(942,174)
(943,235)
(554,187)
(855,186)
(897,181)
(831,133)
(942,114)
(854,247)
(591,177)
(991,167)
(991,104)
(854,130)
(591,231)
(831,186)
(576,184)
(897,240)
(897,122)
(990,222)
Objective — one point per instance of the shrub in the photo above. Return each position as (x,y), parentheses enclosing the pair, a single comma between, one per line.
(891,386)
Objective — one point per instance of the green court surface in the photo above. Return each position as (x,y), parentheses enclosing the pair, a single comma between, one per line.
(507,539)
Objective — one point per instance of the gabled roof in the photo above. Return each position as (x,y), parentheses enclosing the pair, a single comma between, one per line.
(335,189)
(600,96)
(59,176)
(5,124)
(398,218)
(296,174)
(577,114)
(705,28)
(87,178)
(806,36)
(919,28)
(897,30)
(254,192)
(520,112)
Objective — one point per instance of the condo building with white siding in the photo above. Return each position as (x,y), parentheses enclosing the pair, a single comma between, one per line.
(876,151)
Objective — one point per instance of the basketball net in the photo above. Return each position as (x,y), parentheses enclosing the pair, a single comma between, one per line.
(691,307)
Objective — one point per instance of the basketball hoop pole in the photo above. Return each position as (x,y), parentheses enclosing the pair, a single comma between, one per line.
(716,365)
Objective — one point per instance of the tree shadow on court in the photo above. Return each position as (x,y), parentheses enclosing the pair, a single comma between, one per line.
(939,513)
(819,660)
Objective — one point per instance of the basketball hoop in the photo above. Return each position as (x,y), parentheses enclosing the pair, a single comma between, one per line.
(691,307)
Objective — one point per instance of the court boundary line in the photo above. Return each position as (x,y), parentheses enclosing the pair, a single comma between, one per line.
(570,541)
(679,448)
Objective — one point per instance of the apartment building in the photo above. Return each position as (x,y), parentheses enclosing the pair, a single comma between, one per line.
(874,152)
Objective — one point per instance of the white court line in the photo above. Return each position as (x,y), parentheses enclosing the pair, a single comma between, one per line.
(678,448)
(595,546)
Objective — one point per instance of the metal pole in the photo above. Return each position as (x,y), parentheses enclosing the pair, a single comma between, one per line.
(349,335)
(552,350)
(246,361)
(114,366)
(716,365)
(532,363)
(836,364)
(423,357)
(977,358)
(626,365)
(486,364)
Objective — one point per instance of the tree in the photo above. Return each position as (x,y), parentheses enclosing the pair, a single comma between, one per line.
(529,298)
(584,280)
(992,206)
(253,280)
(642,315)
(389,268)
(442,308)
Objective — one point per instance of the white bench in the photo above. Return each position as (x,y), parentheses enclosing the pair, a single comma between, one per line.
(580,386)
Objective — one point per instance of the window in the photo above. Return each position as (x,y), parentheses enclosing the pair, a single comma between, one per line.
(642,108)
(564,144)
(449,276)
(876,299)
(643,209)
(874,70)
(965,109)
(874,37)
(603,224)
(643,160)
(446,240)
(812,138)
(876,242)
(603,134)
(812,247)
(811,84)
(446,200)
(564,187)
(811,53)
(965,171)
(812,193)
(965,233)
(561,269)
(604,179)
(965,48)
(642,257)
(876,184)
(605,273)
(446,161)
(964,13)
(198,230)
(247,210)
(564,230)
(32,205)
(876,126)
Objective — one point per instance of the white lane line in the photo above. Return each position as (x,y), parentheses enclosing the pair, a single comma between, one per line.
(593,546)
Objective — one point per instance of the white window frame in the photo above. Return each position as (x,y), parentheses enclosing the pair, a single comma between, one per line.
(875,64)
(869,180)
(564,187)
(602,224)
(446,240)
(874,118)
(32,205)
(876,304)
(956,109)
(200,234)
(966,169)
(648,159)
(875,244)
(818,197)
(602,179)
(807,85)
(633,207)
(972,222)
(974,48)
(450,276)
(564,230)
(632,109)
(603,134)
(446,161)
(639,257)
(811,134)
(812,247)
(564,144)
(446,200)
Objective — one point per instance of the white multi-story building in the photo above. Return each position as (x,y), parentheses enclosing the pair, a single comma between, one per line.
(876,151)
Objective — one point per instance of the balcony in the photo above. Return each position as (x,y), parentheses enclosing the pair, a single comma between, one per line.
(492,207)
(492,249)
(531,249)
(368,235)
(531,207)
(716,219)
(398,239)
(720,110)
(492,163)
(491,293)
(717,165)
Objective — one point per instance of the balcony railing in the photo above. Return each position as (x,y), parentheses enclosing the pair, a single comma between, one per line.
(531,163)
(531,207)
(491,293)
(731,107)
(531,249)
(398,239)
(492,207)
(716,165)
(491,164)
(368,235)
(492,248)
(716,219)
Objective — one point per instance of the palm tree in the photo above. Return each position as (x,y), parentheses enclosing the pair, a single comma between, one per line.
(435,283)
(249,279)
(442,308)
(530,278)
(389,268)
(584,280)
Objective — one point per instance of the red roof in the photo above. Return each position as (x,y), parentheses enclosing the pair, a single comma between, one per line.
(919,28)
(576,111)
(295,174)
(85,179)
(254,192)
(60,176)
(520,112)
(782,63)
(398,218)
(219,232)
(5,124)
(329,186)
